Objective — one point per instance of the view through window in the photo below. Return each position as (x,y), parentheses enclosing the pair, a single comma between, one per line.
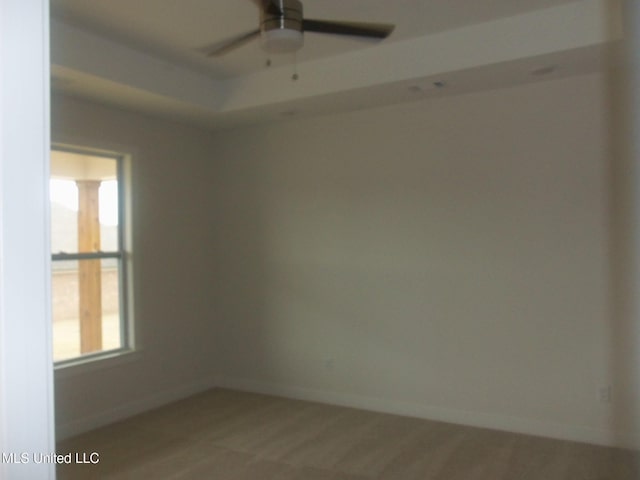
(86,243)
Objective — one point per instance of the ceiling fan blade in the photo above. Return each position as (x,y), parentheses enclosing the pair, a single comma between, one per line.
(221,48)
(358,29)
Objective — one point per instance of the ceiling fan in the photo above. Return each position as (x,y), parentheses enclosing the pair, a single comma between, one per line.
(282,26)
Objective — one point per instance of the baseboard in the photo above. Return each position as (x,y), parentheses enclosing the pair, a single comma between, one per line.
(134,407)
(473,419)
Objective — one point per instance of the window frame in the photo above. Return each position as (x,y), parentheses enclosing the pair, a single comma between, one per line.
(122,255)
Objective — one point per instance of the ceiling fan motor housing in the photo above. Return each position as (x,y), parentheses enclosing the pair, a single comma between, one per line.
(281,26)
(281,14)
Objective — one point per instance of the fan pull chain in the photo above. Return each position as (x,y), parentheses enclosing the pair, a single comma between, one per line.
(295,75)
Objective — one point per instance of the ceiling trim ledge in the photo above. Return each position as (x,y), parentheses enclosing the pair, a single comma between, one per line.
(568,27)
(158,85)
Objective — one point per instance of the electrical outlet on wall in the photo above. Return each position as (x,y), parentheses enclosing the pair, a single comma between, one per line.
(605,394)
(329,364)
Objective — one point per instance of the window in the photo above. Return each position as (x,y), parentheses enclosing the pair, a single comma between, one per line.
(89,268)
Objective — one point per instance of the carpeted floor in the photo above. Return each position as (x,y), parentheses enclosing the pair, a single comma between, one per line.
(227,435)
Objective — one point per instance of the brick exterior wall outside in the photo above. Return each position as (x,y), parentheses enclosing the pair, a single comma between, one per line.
(65,293)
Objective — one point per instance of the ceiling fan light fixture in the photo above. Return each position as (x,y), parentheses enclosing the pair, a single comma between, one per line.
(282,40)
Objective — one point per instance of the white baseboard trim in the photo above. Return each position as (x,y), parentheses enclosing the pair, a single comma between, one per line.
(134,407)
(461,417)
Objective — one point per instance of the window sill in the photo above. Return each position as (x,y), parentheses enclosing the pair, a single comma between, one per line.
(108,360)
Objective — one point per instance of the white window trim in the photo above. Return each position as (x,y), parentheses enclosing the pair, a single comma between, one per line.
(103,361)
(128,351)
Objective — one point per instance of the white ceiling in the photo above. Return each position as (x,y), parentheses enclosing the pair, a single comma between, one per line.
(177,29)
(144,54)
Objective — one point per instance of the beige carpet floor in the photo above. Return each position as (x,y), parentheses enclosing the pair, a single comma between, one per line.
(228,435)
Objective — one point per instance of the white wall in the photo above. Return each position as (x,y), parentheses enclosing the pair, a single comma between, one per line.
(172,265)
(447,258)
(626,225)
